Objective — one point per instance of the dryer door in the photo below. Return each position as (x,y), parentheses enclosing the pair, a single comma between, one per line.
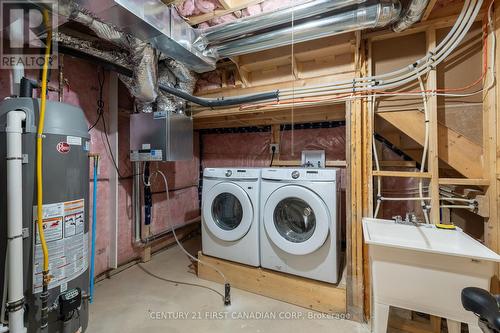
(227,211)
(296,220)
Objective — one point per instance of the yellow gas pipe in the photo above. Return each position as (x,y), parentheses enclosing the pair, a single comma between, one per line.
(39,151)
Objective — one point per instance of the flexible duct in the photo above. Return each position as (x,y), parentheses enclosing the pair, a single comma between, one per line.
(250,24)
(216,102)
(412,15)
(362,17)
(142,56)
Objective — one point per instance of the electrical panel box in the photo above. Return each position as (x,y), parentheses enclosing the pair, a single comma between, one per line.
(160,136)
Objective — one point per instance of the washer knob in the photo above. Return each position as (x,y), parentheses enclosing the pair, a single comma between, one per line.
(229,173)
(295,174)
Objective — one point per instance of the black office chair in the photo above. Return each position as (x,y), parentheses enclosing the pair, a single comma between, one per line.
(485,306)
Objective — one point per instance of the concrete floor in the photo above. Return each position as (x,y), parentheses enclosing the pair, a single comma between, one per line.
(136,301)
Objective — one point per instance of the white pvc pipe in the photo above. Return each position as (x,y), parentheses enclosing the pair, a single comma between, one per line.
(14,133)
(426,147)
(16,36)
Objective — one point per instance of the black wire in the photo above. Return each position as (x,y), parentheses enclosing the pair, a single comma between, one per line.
(178,282)
(100,116)
(100,101)
(272,158)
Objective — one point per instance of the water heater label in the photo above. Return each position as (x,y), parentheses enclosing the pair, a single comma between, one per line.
(74,140)
(67,242)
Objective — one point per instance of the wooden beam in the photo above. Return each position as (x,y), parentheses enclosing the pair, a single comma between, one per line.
(329,164)
(428,10)
(234,6)
(455,150)
(401,174)
(309,294)
(491,143)
(355,293)
(398,164)
(433,154)
(464,181)
(236,117)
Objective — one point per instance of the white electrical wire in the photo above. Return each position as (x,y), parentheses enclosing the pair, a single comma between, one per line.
(175,235)
(406,74)
(426,147)
(377,163)
(405,199)
(469,207)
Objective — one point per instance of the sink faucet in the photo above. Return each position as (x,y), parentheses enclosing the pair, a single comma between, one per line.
(410,219)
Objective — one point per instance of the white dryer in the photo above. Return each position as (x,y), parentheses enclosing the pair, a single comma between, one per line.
(300,222)
(230,214)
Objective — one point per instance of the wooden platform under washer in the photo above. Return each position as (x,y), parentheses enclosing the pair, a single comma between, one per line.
(310,294)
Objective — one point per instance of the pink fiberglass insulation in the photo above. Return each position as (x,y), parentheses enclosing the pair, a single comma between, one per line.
(83,92)
(236,149)
(197,7)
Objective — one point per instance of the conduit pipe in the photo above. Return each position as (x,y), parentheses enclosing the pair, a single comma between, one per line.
(412,15)
(362,17)
(15,299)
(250,24)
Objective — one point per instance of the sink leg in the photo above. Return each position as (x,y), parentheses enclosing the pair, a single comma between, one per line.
(380,318)
(453,326)
(474,329)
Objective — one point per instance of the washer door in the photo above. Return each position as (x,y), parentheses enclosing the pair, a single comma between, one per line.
(228,211)
(296,220)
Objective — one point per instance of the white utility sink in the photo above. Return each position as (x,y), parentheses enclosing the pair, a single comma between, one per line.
(423,268)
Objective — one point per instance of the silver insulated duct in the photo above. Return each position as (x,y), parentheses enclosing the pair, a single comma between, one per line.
(244,26)
(360,17)
(412,15)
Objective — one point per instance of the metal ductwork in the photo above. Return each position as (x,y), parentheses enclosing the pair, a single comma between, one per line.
(161,26)
(154,23)
(361,17)
(412,15)
(251,24)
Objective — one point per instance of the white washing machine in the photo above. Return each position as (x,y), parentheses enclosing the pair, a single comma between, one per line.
(230,214)
(300,222)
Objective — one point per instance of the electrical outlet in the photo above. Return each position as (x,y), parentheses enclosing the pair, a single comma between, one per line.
(276,148)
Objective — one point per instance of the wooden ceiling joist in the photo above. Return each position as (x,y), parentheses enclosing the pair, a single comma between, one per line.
(428,10)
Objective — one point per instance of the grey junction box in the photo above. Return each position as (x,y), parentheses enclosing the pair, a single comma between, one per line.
(160,136)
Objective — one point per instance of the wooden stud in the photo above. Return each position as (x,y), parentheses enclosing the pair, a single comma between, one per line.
(329,164)
(428,10)
(433,159)
(464,181)
(402,174)
(491,144)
